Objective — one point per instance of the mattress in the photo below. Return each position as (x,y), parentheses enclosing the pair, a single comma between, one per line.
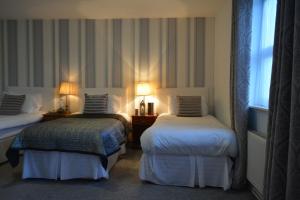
(10,121)
(189,136)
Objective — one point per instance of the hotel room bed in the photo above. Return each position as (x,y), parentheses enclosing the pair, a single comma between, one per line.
(11,125)
(188,151)
(80,146)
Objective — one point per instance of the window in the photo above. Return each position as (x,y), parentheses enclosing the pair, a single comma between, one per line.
(263,29)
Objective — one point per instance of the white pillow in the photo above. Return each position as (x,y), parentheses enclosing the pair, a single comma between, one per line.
(172,103)
(32,103)
(114,104)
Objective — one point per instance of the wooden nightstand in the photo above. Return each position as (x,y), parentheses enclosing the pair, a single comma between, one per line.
(54,115)
(139,125)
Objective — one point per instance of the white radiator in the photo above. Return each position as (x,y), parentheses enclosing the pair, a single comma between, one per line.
(256,161)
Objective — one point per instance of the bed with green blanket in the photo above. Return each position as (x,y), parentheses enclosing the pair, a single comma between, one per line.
(95,134)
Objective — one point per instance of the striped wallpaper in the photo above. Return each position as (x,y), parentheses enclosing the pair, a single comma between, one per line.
(103,53)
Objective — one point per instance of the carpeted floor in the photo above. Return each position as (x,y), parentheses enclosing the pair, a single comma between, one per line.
(123,184)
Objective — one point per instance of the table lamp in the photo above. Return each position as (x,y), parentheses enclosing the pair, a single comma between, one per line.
(68,88)
(143,89)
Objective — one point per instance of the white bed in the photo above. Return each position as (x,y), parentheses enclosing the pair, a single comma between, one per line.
(11,125)
(11,121)
(188,151)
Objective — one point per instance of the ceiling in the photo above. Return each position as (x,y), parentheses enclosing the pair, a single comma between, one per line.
(99,9)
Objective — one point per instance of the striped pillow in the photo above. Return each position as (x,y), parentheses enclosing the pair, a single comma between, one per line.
(11,104)
(95,104)
(189,106)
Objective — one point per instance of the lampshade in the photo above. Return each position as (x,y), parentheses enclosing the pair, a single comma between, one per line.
(143,89)
(68,88)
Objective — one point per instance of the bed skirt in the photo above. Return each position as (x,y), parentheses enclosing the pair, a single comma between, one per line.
(62,165)
(190,171)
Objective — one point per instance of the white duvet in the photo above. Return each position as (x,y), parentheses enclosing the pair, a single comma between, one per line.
(10,121)
(189,136)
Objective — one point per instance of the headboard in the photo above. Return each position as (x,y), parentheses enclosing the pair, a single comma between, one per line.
(50,96)
(164,93)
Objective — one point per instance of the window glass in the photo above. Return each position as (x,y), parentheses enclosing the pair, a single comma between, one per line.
(263,29)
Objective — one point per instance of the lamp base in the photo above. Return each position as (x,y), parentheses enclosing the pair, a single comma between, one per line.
(60,110)
(67,110)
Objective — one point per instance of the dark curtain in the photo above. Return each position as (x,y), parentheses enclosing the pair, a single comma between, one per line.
(240,65)
(282,177)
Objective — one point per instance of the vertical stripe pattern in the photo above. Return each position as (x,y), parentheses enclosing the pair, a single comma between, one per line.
(63,50)
(199,53)
(90,54)
(168,52)
(144,50)
(188,32)
(2,82)
(117,77)
(28,52)
(171,54)
(160,54)
(38,72)
(53,52)
(12,52)
(106,52)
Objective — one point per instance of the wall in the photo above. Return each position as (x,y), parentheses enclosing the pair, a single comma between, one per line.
(170,53)
(107,9)
(258,121)
(1,59)
(222,63)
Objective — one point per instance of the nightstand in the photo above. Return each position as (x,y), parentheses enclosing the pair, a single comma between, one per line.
(54,115)
(139,125)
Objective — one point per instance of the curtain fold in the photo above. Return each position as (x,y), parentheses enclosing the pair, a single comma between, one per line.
(282,174)
(240,67)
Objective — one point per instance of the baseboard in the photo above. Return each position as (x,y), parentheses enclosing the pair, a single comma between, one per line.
(255,192)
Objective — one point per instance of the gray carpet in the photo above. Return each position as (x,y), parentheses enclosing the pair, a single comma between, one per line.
(123,184)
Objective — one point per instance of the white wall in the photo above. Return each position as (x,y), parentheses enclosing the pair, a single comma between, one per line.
(1,78)
(106,9)
(222,63)
(1,60)
(142,40)
(209,60)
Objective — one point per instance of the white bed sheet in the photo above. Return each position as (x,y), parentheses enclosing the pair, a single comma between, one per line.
(189,171)
(9,121)
(65,165)
(13,125)
(189,136)
(10,132)
(6,137)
